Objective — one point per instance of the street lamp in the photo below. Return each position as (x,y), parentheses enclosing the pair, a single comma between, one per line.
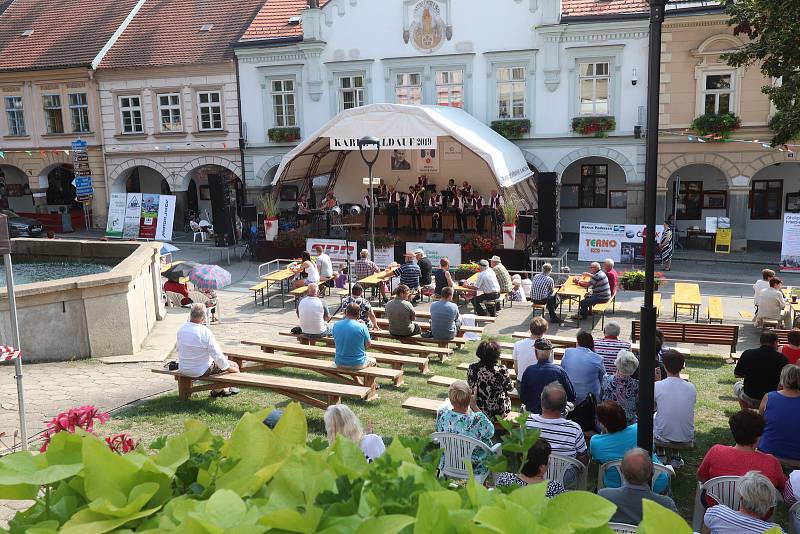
(365,142)
(647,349)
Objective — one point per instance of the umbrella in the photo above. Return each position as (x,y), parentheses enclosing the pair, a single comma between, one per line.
(178,270)
(209,277)
(168,248)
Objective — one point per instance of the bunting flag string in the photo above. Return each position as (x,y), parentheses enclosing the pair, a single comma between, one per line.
(691,136)
(9,353)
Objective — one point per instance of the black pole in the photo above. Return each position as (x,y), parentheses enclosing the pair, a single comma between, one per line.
(647,349)
(371,214)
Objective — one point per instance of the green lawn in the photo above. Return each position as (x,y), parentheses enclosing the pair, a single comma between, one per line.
(164,415)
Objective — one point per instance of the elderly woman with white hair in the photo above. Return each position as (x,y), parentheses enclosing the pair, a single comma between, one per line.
(341,421)
(757,501)
(781,411)
(621,387)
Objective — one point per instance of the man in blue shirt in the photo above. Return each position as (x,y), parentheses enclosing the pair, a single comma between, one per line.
(584,368)
(445,319)
(409,272)
(538,375)
(352,340)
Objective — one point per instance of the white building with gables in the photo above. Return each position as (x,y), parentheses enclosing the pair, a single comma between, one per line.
(564,78)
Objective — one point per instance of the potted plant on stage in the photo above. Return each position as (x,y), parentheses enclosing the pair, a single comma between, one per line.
(510,215)
(269,205)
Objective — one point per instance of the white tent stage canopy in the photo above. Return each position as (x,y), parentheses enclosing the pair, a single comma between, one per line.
(466,150)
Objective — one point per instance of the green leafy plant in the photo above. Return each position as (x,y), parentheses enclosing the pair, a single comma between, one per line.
(634,280)
(269,205)
(511,208)
(262,480)
(715,127)
(517,441)
(596,126)
(291,239)
(512,128)
(284,135)
(477,243)
(383,241)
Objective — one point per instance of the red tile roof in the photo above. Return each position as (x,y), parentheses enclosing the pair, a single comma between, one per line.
(66,33)
(272,22)
(167,32)
(591,8)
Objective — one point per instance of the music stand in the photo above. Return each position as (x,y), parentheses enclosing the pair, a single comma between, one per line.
(354,210)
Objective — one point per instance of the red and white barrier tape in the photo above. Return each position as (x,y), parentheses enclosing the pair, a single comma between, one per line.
(9,353)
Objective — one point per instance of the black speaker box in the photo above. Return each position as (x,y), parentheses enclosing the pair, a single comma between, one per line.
(249,212)
(221,211)
(525,224)
(434,237)
(547,188)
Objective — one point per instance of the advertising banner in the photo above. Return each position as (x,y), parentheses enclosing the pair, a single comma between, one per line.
(623,243)
(166,217)
(384,256)
(116,215)
(337,249)
(133,215)
(428,161)
(84,189)
(149,216)
(790,245)
(387,143)
(437,251)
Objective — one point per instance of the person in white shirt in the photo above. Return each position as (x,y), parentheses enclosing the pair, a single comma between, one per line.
(675,399)
(772,305)
(324,264)
(341,421)
(489,287)
(756,506)
(524,354)
(313,314)
(760,285)
(199,353)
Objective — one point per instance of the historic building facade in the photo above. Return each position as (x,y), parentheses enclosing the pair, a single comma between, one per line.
(541,64)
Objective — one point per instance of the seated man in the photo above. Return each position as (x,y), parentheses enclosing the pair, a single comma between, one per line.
(601,290)
(543,291)
(756,506)
(760,371)
(199,353)
(637,472)
(612,274)
(352,340)
(489,287)
(181,289)
(445,319)
(760,285)
(565,437)
(584,367)
(524,354)
(772,305)
(313,314)
(538,375)
(367,316)
(501,273)
(609,345)
(409,272)
(675,400)
(400,314)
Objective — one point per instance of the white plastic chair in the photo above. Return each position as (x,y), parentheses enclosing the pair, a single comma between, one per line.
(559,465)
(173,299)
(458,451)
(657,470)
(623,528)
(196,231)
(722,490)
(198,296)
(794,518)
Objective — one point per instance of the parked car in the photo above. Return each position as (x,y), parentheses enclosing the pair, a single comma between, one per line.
(22,226)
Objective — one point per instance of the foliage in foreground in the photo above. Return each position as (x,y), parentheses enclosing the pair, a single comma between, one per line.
(263,480)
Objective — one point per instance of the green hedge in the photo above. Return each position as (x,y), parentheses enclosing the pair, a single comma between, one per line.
(712,124)
(284,135)
(512,128)
(596,126)
(263,480)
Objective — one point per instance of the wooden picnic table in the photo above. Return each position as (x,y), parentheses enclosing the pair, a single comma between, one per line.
(460,290)
(279,277)
(687,296)
(794,306)
(571,291)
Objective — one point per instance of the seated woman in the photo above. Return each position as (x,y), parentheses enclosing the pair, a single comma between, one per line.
(341,421)
(621,387)
(442,277)
(466,419)
(781,411)
(174,286)
(617,438)
(792,349)
(489,379)
(533,471)
(309,268)
(212,302)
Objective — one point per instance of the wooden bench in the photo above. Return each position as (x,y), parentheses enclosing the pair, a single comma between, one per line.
(362,377)
(708,334)
(384,346)
(446,381)
(602,307)
(541,308)
(313,351)
(380,312)
(301,291)
(715,311)
(431,407)
(457,342)
(260,288)
(310,392)
(425,327)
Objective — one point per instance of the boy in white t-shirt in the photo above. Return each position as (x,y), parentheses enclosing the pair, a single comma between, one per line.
(524,354)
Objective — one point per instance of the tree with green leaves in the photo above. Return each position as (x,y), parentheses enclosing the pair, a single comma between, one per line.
(774,43)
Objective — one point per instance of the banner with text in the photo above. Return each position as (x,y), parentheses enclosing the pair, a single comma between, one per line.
(337,249)
(387,143)
(790,245)
(623,243)
(133,215)
(149,217)
(116,215)
(166,217)
(437,251)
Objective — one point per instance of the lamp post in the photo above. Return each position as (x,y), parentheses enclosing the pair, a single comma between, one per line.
(647,350)
(365,142)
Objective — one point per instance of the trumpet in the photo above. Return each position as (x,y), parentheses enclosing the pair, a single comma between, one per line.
(436,215)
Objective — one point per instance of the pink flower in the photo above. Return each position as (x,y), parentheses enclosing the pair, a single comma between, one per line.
(81,417)
(121,443)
